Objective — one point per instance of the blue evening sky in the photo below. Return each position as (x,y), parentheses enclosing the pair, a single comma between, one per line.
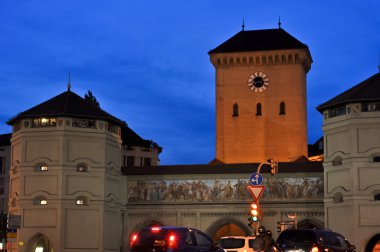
(146,61)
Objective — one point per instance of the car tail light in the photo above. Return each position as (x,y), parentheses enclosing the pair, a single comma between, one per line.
(314,249)
(134,239)
(155,229)
(172,241)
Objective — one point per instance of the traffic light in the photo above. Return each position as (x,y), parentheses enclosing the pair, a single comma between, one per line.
(273,166)
(255,212)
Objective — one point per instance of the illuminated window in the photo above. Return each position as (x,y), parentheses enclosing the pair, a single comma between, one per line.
(40,200)
(82,167)
(258,109)
(41,167)
(81,201)
(44,168)
(44,122)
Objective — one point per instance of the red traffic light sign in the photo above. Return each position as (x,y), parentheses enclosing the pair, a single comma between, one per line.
(256,191)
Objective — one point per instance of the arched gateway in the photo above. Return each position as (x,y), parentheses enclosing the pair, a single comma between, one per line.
(215,198)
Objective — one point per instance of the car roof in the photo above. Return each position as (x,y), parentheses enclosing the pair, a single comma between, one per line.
(170,228)
(237,237)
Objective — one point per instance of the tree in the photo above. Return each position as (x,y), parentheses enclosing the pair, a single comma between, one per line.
(153,144)
(91,99)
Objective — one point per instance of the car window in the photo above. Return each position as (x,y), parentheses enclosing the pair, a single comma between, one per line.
(228,243)
(250,243)
(203,240)
(188,238)
(296,236)
(343,242)
(333,240)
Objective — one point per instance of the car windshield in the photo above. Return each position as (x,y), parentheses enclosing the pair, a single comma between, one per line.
(297,236)
(228,243)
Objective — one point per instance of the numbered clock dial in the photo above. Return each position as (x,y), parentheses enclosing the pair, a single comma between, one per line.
(258,82)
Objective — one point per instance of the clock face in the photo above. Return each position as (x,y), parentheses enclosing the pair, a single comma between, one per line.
(258,81)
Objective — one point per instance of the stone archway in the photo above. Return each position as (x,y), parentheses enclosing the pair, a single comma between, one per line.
(40,243)
(228,226)
(373,244)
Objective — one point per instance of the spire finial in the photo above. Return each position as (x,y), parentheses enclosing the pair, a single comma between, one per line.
(242,26)
(69,84)
(279,22)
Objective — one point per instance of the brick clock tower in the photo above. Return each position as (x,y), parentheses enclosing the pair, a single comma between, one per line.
(261,97)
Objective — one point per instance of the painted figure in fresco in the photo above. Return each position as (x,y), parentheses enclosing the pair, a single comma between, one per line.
(221,190)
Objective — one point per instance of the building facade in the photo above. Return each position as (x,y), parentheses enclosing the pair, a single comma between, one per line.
(351,129)
(77,182)
(261,97)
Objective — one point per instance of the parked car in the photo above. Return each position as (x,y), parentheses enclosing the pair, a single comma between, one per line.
(237,243)
(313,240)
(172,239)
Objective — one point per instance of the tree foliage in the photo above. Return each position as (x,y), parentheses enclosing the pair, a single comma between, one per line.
(91,99)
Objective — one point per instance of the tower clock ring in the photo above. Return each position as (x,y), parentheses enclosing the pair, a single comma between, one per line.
(258,82)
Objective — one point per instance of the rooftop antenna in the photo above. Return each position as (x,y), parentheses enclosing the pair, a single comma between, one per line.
(279,22)
(242,26)
(69,84)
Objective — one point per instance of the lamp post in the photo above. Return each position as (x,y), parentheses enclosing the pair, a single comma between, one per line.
(273,166)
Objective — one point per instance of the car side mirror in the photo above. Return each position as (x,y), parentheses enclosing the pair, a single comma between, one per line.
(216,246)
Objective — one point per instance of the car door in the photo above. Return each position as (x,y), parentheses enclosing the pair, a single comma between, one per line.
(204,243)
(334,244)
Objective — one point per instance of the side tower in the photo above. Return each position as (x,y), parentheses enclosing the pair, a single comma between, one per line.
(65,177)
(261,97)
(351,131)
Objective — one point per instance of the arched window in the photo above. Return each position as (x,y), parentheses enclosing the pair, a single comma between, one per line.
(81,201)
(376,196)
(337,161)
(43,167)
(82,167)
(40,200)
(258,109)
(235,110)
(376,159)
(282,108)
(338,197)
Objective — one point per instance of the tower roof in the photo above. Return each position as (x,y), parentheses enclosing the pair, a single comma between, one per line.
(67,104)
(366,91)
(259,40)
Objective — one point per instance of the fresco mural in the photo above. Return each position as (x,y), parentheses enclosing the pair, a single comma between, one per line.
(309,188)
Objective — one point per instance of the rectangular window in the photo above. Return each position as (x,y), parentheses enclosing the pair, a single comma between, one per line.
(130,161)
(147,162)
(337,111)
(2,165)
(2,186)
(44,122)
(84,123)
(368,107)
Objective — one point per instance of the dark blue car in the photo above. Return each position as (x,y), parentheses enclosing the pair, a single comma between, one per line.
(172,239)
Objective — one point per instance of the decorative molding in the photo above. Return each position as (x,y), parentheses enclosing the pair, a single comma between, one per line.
(303,213)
